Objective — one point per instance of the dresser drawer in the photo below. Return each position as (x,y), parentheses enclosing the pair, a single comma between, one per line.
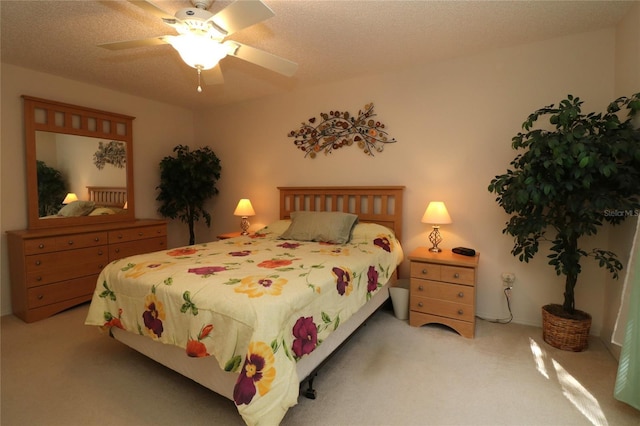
(76,241)
(51,267)
(132,234)
(40,245)
(54,293)
(458,275)
(442,308)
(118,251)
(443,291)
(425,270)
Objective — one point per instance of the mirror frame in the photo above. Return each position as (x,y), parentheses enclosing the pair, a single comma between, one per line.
(57,117)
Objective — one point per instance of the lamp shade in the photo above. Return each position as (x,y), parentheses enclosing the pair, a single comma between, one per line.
(70,198)
(436,214)
(198,51)
(244,208)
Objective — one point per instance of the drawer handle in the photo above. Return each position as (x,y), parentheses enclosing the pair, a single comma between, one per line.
(96,239)
(38,278)
(461,294)
(117,250)
(100,267)
(420,304)
(70,242)
(456,275)
(40,297)
(119,236)
(99,252)
(460,312)
(38,263)
(424,272)
(420,288)
(41,246)
(140,234)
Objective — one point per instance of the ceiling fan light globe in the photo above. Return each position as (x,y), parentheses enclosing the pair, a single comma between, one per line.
(198,51)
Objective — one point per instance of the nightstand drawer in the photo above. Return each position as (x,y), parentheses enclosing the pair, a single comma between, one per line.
(442,308)
(425,270)
(458,275)
(443,291)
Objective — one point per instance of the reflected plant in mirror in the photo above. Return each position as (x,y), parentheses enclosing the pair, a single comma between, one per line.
(51,189)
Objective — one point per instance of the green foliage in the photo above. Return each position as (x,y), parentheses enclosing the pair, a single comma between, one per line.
(51,189)
(187,181)
(569,180)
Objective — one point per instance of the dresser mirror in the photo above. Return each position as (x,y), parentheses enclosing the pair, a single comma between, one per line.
(80,152)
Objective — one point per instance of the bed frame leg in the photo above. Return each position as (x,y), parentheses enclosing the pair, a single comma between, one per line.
(311,392)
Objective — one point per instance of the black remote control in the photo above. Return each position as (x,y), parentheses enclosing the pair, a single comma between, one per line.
(465,251)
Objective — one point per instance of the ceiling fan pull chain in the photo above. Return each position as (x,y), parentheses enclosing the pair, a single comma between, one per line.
(199,86)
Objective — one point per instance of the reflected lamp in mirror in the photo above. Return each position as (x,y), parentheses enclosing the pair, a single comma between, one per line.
(436,215)
(70,198)
(244,209)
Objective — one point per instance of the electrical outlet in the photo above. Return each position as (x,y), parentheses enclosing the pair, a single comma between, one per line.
(508,278)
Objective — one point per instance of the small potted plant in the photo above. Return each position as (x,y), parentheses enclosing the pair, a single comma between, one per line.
(187,181)
(563,184)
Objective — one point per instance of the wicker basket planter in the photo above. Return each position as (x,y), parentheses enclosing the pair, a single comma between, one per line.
(563,333)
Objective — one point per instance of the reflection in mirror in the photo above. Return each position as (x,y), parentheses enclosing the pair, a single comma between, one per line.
(73,164)
(77,150)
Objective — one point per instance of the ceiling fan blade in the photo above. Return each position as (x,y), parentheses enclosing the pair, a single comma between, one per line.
(241,14)
(130,44)
(213,76)
(262,58)
(150,7)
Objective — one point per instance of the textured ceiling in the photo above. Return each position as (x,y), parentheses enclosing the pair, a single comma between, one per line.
(330,40)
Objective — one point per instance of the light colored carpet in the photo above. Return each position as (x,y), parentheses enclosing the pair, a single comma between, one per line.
(60,372)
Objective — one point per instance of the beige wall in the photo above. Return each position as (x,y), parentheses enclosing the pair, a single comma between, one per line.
(453,121)
(627,81)
(157,129)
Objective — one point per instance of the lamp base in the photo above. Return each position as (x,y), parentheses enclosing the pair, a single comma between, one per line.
(244,225)
(435,239)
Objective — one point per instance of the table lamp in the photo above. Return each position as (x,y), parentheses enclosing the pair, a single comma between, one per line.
(244,209)
(436,214)
(70,198)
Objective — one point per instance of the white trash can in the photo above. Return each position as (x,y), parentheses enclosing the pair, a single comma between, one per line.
(400,299)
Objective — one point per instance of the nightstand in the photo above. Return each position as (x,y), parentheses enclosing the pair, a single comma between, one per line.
(443,290)
(229,235)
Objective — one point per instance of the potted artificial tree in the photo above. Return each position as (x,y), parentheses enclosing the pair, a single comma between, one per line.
(566,181)
(186,182)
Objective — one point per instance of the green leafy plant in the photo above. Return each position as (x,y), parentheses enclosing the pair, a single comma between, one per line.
(187,181)
(51,189)
(568,181)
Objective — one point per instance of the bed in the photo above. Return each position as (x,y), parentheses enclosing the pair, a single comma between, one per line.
(252,317)
(108,196)
(101,200)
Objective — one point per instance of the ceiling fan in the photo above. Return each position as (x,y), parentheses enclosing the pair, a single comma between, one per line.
(201,36)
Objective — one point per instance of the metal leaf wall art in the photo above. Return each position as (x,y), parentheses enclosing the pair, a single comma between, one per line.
(113,152)
(338,129)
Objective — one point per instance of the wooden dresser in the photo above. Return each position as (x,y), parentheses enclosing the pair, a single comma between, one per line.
(443,290)
(54,269)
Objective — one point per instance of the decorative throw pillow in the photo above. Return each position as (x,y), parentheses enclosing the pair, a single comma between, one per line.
(328,227)
(77,208)
(101,211)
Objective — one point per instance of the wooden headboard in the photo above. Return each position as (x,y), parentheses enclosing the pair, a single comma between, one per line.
(108,196)
(377,204)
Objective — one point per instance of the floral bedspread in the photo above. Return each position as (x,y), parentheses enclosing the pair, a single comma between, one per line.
(256,303)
